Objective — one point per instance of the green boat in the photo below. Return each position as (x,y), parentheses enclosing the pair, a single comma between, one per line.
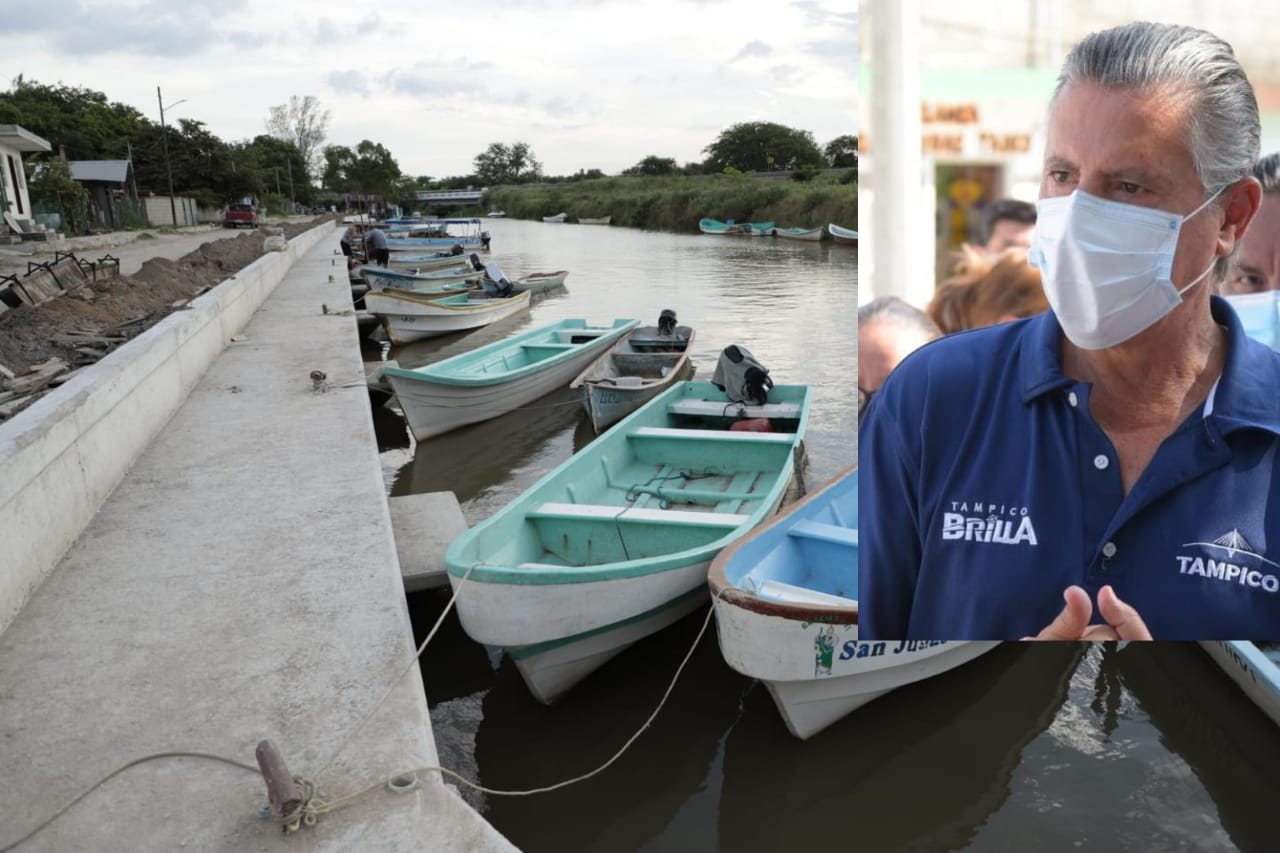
(742,229)
(614,544)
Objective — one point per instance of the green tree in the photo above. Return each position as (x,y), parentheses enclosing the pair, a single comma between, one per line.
(369,169)
(51,186)
(760,146)
(507,164)
(304,123)
(654,165)
(80,121)
(842,152)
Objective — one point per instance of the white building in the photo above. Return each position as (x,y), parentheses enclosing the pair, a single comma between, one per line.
(15,202)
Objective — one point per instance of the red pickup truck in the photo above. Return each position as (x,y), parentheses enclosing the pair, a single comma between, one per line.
(240,214)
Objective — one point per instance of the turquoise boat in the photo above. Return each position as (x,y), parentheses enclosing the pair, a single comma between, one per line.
(742,229)
(499,377)
(614,544)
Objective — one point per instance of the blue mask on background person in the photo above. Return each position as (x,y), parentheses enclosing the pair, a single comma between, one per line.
(1106,265)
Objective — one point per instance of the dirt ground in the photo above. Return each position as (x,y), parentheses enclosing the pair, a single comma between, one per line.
(148,295)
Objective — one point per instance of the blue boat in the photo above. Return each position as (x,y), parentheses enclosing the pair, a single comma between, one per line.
(441,233)
(786,599)
(1255,667)
(614,544)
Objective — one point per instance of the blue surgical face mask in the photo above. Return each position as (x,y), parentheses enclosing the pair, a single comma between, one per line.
(1106,266)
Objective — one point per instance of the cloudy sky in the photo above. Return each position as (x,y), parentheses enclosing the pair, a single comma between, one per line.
(587,83)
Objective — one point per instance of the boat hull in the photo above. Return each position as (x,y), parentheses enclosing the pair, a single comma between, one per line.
(432,408)
(630,375)
(843,236)
(406,319)
(812,235)
(1257,673)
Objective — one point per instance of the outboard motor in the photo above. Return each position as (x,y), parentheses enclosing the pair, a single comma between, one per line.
(502,286)
(456,250)
(667,323)
(476,264)
(741,377)
(484,240)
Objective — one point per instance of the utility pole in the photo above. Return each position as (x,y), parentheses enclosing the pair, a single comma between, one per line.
(289,166)
(164,145)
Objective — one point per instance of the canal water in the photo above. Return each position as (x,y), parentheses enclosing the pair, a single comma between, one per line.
(1029,747)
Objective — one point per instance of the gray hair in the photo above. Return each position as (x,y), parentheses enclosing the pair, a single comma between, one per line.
(1267,171)
(891,309)
(1225,130)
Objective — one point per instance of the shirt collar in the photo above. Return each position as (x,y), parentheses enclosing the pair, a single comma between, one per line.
(1247,395)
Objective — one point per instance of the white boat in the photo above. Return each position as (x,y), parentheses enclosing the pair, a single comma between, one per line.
(407,317)
(1255,667)
(460,276)
(601,220)
(426,263)
(499,377)
(808,235)
(845,236)
(786,599)
(497,214)
(635,370)
(559,217)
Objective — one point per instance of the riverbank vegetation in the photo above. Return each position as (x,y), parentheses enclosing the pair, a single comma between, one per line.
(677,202)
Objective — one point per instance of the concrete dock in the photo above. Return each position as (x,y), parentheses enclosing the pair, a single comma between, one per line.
(240,583)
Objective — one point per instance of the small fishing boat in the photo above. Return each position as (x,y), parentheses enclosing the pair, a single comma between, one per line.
(499,377)
(614,544)
(458,275)
(1255,667)
(730,228)
(844,236)
(442,233)
(638,368)
(559,217)
(786,599)
(538,282)
(600,220)
(425,263)
(496,214)
(808,235)
(408,316)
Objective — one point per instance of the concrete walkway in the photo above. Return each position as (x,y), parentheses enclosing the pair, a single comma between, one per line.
(241,584)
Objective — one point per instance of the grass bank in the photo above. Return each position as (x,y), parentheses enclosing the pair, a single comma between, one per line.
(677,203)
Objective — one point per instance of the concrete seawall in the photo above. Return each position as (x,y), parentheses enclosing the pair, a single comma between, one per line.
(65,454)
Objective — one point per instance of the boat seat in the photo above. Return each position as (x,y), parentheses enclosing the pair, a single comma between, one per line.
(569,335)
(834,533)
(691,406)
(793,594)
(634,514)
(713,435)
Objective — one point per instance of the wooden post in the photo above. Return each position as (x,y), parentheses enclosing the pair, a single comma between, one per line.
(282,791)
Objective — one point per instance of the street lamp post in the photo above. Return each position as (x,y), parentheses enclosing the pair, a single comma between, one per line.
(164,145)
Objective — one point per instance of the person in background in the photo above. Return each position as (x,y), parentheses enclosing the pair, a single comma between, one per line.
(1009,225)
(345,242)
(889,329)
(988,293)
(1108,469)
(375,245)
(1257,266)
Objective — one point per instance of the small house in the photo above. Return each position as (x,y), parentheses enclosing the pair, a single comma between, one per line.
(15,202)
(108,183)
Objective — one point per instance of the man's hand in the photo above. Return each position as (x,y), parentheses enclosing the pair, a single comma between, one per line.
(1122,621)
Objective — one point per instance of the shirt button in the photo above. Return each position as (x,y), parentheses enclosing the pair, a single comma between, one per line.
(1101,462)
(1109,550)
(1072,399)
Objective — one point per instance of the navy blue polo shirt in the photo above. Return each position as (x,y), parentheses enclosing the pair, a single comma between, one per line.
(987,488)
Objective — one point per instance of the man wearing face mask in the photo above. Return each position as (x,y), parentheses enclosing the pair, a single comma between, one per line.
(1107,469)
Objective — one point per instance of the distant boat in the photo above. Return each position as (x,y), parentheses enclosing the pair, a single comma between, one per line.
(409,316)
(1255,667)
(845,236)
(808,235)
(499,377)
(497,214)
(538,282)
(613,545)
(638,368)
(559,217)
(786,599)
(741,229)
(601,220)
